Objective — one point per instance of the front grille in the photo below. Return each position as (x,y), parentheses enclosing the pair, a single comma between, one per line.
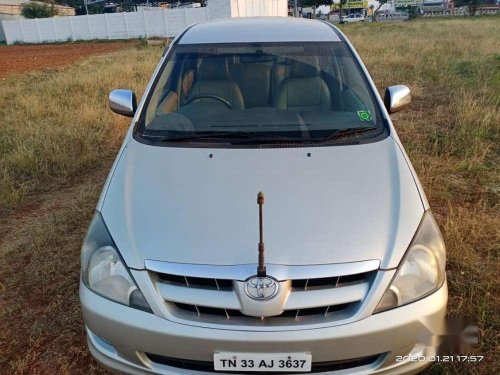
(311,300)
(290,314)
(329,282)
(196,282)
(205,366)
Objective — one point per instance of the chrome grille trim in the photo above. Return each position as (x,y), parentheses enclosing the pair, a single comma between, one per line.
(297,301)
(148,282)
(321,299)
(326,297)
(209,297)
(242,272)
(287,318)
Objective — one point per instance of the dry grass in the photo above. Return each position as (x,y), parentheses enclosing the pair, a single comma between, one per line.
(57,141)
(56,125)
(451,133)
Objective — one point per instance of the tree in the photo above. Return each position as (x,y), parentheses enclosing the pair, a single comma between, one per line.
(380,4)
(413,12)
(38,10)
(341,5)
(315,3)
(472,5)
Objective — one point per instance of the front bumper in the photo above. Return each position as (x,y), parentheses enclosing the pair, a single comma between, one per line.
(119,337)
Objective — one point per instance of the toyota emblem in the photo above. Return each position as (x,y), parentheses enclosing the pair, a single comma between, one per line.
(261,288)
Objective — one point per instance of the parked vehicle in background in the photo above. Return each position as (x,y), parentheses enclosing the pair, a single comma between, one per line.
(352,18)
(334,18)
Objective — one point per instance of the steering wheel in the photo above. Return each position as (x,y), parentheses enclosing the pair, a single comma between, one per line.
(209,96)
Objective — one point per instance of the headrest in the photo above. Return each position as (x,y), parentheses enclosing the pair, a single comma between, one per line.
(309,67)
(213,68)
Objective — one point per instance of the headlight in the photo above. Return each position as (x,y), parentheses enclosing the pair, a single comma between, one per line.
(103,270)
(422,270)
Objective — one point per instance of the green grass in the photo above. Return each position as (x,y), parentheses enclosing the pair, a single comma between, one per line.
(58,140)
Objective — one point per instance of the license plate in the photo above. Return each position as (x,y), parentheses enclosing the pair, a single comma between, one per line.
(275,362)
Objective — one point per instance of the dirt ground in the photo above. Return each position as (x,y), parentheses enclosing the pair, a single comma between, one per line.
(24,58)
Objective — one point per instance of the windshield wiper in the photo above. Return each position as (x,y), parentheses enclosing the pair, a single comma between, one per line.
(238,137)
(254,138)
(268,139)
(345,132)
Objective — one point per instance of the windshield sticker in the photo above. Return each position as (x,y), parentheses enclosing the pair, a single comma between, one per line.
(364,115)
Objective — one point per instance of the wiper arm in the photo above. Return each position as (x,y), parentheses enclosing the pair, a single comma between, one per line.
(194,137)
(346,132)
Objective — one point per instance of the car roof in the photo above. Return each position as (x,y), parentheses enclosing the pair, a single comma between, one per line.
(260,30)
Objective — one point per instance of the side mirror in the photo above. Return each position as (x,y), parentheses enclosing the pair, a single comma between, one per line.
(123,102)
(396,98)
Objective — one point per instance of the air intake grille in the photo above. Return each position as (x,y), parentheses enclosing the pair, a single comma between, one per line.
(329,282)
(312,300)
(197,282)
(229,313)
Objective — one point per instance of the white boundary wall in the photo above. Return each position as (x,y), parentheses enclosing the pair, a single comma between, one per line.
(152,23)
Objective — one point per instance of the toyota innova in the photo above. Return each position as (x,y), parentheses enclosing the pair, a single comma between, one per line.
(262,215)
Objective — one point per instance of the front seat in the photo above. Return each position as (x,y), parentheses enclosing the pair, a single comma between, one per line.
(213,79)
(304,89)
(252,73)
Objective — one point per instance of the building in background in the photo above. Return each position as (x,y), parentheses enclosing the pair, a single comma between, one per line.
(433,5)
(351,6)
(11,9)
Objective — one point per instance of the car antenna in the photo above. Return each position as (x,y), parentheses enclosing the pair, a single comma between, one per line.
(261,269)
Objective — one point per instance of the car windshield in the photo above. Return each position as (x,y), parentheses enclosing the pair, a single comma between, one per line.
(260,93)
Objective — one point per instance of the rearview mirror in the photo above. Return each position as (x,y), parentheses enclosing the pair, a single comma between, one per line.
(123,102)
(396,98)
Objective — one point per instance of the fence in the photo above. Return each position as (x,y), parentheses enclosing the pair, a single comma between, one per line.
(152,23)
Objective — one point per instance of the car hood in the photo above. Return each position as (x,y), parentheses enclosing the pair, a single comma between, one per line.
(196,205)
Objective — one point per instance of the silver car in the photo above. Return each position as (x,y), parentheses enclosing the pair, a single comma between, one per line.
(262,215)
(352,18)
